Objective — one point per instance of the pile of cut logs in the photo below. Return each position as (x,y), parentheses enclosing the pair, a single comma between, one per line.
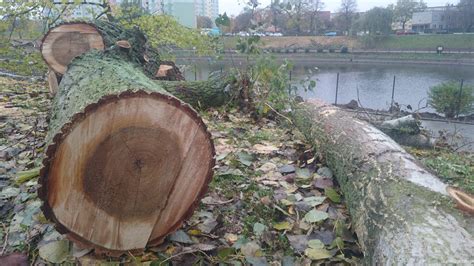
(128,158)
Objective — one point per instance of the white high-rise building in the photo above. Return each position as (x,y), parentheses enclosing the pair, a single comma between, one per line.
(207,8)
(78,10)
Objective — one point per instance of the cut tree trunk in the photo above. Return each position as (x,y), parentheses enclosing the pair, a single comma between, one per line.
(68,40)
(401,213)
(126,162)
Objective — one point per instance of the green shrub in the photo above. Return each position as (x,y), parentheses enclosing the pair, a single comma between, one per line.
(445,98)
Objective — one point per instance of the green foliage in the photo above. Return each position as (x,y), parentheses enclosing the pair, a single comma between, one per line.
(377,21)
(249,46)
(223,20)
(404,10)
(21,61)
(454,168)
(130,10)
(448,99)
(167,34)
(265,83)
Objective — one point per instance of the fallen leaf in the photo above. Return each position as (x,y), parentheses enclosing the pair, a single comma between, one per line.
(55,252)
(314,201)
(316,244)
(317,254)
(283,226)
(315,216)
(258,229)
(287,169)
(9,192)
(267,167)
(203,247)
(325,172)
(323,183)
(264,149)
(257,261)
(303,173)
(231,238)
(251,249)
(17,259)
(245,158)
(181,237)
(332,194)
(208,225)
(224,253)
(298,242)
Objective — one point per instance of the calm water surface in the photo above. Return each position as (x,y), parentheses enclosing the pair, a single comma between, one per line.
(374,82)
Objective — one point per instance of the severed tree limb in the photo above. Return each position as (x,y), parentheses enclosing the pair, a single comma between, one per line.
(402,214)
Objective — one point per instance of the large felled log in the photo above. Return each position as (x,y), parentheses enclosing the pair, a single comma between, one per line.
(401,213)
(68,40)
(126,162)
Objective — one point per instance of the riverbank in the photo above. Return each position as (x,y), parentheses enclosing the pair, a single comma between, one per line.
(451,42)
(313,57)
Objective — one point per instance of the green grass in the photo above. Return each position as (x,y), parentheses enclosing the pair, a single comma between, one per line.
(21,61)
(427,42)
(456,169)
(393,42)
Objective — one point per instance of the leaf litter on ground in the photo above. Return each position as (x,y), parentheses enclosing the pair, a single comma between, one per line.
(271,200)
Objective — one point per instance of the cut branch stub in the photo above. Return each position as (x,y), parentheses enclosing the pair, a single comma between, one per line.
(126,162)
(124,44)
(65,42)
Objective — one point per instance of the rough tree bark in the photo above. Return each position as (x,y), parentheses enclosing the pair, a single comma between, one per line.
(126,162)
(401,213)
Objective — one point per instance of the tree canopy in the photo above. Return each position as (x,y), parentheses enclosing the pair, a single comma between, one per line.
(404,10)
(377,21)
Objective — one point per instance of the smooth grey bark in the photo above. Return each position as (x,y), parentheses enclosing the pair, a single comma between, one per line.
(401,213)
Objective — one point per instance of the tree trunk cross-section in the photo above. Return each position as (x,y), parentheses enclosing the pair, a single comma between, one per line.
(62,44)
(401,213)
(127,162)
(66,41)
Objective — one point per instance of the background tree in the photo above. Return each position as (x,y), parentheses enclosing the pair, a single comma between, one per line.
(447,98)
(165,33)
(223,20)
(404,10)
(314,11)
(243,21)
(131,9)
(466,8)
(377,21)
(347,15)
(204,22)
(295,11)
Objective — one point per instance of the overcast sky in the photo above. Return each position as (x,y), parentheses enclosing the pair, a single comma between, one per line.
(233,7)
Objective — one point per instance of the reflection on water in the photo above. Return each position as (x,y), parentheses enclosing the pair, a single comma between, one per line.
(374,82)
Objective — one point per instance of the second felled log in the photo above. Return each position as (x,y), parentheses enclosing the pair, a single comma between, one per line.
(127,162)
(66,41)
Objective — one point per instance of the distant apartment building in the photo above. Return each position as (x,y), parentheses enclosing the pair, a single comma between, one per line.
(207,8)
(82,9)
(183,10)
(435,19)
(152,6)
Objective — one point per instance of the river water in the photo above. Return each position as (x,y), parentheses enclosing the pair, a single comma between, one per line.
(374,82)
